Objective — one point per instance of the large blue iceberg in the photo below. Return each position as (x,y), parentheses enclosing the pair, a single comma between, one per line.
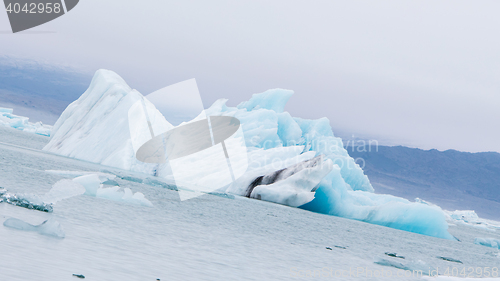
(345,191)
(292,161)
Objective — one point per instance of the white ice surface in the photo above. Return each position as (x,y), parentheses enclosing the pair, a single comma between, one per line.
(206,238)
(95,127)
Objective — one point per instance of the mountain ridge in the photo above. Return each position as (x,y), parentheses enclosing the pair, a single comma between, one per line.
(452,179)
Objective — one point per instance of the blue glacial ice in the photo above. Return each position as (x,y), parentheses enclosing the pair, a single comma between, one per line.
(8,119)
(93,185)
(345,191)
(95,128)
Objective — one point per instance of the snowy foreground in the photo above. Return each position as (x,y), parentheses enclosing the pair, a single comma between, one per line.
(212,237)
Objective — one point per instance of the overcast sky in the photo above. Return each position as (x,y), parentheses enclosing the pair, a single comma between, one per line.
(417,73)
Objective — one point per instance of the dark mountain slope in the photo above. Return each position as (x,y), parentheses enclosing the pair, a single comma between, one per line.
(451,179)
(32,88)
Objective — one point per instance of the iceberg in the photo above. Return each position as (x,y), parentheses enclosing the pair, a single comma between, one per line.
(28,201)
(470,218)
(288,185)
(49,227)
(293,186)
(95,127)
(488,242)
(63,189)
(93,185)
(291,161)
(8,119)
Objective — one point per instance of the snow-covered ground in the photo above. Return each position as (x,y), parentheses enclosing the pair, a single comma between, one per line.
(212,237)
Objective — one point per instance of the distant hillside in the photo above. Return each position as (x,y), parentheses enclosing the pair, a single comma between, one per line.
(451,179)
(37,90)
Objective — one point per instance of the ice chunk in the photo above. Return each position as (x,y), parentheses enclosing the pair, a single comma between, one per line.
(267,162)
(93,186)
(470,218)
(135,198)
(63,189)
(38,128)
(127,196)
(466,216)
(28,201)
(49,227)
(293,186)
(92,182)
(8,119)
(488,242)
